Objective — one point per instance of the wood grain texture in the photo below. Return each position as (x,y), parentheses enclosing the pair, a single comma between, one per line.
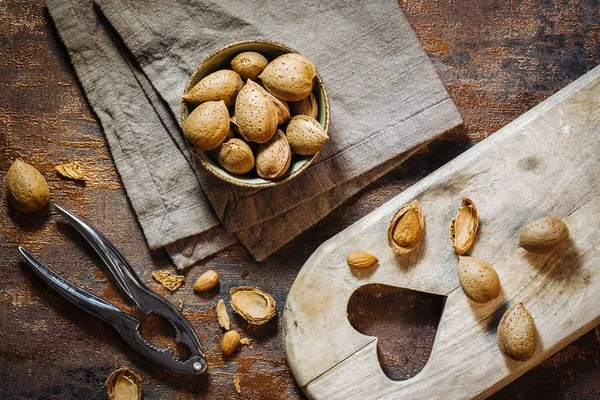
(498,59)
(543,163)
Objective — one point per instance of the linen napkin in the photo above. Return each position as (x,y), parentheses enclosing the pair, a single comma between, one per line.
(134,58)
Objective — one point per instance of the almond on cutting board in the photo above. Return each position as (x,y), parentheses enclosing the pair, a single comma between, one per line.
(478,279)
(517,335)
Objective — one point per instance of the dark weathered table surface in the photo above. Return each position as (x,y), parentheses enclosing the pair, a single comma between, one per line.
(497,59)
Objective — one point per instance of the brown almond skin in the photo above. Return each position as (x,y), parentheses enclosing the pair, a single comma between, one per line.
(249,64)
(478,279)
(361,260)
(255,114)
(289,77)
(220,85)
(517,335)
(206,281)
(305,135)
(545,235)
(208,125)
(406,228)
(229,342)
(26,187)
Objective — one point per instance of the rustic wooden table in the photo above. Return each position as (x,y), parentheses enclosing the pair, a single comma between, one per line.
(497,59)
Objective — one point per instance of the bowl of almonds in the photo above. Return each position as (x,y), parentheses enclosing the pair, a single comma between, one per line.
(256,113)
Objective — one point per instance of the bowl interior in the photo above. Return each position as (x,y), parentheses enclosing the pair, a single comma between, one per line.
(221,60)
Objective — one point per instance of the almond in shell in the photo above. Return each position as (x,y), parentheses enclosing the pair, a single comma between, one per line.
(274,157)
(307,106)
(478,279)
(305,135)
(517,335)
(255,114)
(220,85)
(207,126)
(464,227)
(289,77)
(249,64)
(406,228)
(236,156)
(26,187)
(283,109)
(544,235)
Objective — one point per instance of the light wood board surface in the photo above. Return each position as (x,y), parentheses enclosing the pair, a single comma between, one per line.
(545,163)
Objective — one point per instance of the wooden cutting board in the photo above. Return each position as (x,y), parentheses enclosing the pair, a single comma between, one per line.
(545,163)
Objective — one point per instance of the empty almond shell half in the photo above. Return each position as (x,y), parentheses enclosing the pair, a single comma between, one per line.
(255,306)
(406,228)
(124,384)
(464,227)
(222,315)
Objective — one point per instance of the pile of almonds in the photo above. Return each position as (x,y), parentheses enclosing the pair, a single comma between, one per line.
(516,334)
(256,126)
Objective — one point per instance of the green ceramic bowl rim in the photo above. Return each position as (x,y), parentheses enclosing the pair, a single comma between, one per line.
(209,167)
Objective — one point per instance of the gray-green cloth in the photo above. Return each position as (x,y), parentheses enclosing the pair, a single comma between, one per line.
(134,58)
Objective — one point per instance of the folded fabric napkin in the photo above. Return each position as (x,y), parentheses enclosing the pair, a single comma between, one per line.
(134,58)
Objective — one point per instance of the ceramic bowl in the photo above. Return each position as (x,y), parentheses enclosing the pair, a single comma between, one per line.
(220,60)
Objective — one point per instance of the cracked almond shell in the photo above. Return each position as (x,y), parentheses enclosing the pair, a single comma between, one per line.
(255,114)
(544,235)
(406,228)
(464,227)
(517,335)
(208,125)
(289,77)
(305,135)
(220,85)
(273,158)
(124,384)
(26,187)
(222,315)
(71,170)
(168,278)
(255,306)
(478,279)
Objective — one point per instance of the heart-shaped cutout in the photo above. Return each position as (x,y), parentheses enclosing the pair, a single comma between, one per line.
(405,322)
